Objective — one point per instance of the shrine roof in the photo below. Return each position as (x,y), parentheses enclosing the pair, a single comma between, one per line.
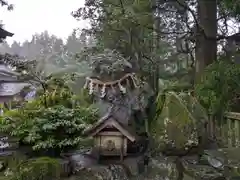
(11,89)
(4,33)
(109,120)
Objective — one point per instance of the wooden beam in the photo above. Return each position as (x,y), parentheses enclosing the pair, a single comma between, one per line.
(232,115)
(115,124)
(110,133)
(121,150)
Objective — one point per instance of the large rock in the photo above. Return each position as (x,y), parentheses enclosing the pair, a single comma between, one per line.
(162,168)
(134,165)
(87,167)
(81,161)
(103,172)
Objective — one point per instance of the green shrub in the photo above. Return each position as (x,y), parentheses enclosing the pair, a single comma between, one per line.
(60,127)
(43,168)
(57,128)
(51,122)
(219,89)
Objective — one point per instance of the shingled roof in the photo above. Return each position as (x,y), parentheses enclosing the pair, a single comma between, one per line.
(4,34)
(7,74)
(11,89)
(107,120)
(9,83)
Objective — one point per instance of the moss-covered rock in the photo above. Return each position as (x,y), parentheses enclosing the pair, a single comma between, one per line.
(34,169)
(9,161)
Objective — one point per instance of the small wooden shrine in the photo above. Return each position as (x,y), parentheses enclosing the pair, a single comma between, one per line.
(111,137)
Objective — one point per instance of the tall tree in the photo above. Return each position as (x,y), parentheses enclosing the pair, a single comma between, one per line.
(126,26)
(15,48)
(206,42)
(76,42)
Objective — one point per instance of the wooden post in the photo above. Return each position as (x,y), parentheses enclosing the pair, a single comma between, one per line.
(232,128)
(236,133)
(229,122)
(122,149)
(210,126)
(99,147)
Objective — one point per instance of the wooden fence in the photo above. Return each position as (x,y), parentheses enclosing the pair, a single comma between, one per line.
(226,130)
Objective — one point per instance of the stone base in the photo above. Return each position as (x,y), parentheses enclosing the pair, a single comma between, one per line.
(131,165)
(134,165)
(65,167)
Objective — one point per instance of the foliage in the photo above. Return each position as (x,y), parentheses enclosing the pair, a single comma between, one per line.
(128,28)
(114,23)
(36,169)
(58,90)
(60,127)
(178,122)
(5,3)
(107,64)
(55,91)
(55,124)
(160,37)
(46,55)
(233,7)
(56,128)
(219,88)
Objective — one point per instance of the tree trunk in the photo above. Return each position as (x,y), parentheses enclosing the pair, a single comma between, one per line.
(206,44)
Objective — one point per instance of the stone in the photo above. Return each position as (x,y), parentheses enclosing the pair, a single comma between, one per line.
(65,167)
(226,160)
(103,172)
(201,172)
(162,168)
(81,161)
(134,165)
(87,167)
(95,173)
